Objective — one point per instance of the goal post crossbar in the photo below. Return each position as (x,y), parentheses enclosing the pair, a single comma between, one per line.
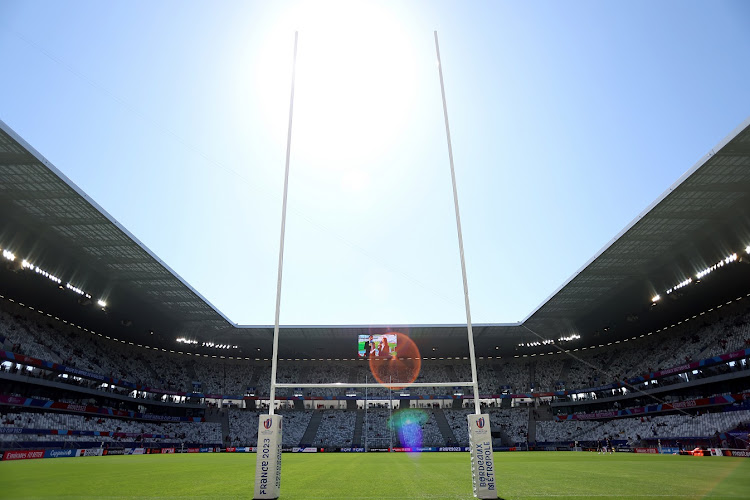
(376,385)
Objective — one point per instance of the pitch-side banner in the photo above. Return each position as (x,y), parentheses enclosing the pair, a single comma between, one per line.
(482,458)
(70,452)
(736,453)
(23,454)
(268,458)
(89,452)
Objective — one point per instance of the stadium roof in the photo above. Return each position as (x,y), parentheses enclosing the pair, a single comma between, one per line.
(699,221)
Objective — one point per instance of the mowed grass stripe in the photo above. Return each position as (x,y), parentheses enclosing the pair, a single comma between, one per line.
(380,476)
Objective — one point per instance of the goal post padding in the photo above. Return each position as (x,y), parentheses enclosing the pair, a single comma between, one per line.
(268,458)
(482,457)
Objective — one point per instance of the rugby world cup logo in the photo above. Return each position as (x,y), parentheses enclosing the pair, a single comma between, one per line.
(267,423)
(480,423)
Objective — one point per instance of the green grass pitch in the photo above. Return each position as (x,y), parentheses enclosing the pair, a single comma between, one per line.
(380,476)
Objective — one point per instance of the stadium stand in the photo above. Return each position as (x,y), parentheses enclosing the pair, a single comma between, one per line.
(160,376)
(336,428)
(243,427)
(295,425)
(111,430)
(636,429)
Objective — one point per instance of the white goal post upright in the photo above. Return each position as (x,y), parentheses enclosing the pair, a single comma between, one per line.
(268,458)
(480,436)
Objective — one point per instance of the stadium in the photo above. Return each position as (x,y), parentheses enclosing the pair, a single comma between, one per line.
(120,379)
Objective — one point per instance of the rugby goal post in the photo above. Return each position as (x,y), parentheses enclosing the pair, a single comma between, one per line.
(268,458)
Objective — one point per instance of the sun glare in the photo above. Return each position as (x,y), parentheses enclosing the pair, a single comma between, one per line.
(355,86)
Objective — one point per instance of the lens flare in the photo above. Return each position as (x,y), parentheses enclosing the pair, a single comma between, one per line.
(395,366)
(408,424)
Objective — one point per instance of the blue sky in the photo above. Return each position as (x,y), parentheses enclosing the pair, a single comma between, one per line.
(567,120)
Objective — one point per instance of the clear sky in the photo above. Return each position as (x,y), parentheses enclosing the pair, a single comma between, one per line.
(568,119)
